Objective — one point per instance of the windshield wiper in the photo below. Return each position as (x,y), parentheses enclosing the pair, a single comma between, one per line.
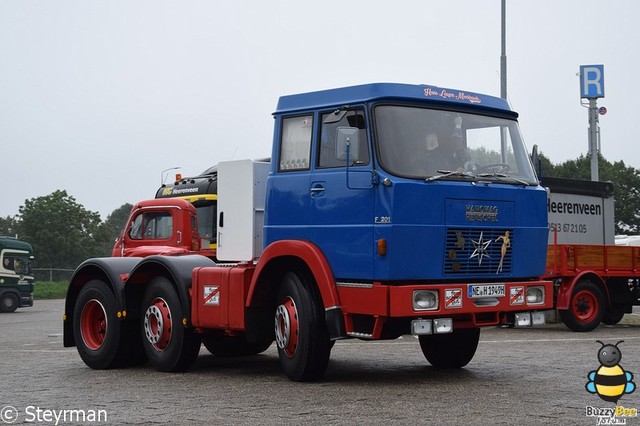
(448,173)
(502,176)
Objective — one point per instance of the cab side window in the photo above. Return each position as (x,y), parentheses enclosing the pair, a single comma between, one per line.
(328,155)
(8,263)
(295,143)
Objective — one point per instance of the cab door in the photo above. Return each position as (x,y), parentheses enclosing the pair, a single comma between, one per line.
(341,194)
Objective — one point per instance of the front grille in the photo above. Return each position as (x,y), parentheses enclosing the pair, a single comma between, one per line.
(478,251)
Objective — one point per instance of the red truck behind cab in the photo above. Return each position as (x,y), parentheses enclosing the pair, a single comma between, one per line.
(160,226)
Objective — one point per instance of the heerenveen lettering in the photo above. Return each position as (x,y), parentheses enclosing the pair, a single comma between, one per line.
(184,191)
(574,208)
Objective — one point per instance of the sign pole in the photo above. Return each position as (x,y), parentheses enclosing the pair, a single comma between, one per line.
(594,132)
(503,72)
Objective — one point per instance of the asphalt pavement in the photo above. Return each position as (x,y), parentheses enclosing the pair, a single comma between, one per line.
(518,376)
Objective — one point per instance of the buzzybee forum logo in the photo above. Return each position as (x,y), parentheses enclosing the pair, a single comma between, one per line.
(610,382)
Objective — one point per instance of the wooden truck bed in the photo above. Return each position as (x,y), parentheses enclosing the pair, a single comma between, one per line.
(605,260)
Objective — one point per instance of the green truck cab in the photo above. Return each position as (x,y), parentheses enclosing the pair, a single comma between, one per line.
(16,277)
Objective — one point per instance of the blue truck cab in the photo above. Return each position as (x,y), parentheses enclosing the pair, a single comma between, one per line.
(397,182)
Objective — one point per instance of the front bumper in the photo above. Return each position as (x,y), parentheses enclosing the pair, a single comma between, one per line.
(458,301)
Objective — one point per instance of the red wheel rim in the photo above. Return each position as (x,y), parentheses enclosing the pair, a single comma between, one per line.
(585,306)
(286,327)
(93,324)
(157,324)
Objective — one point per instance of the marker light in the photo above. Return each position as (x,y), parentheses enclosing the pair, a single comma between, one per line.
(523,319)
(442,325)
(421,327)
(538,318)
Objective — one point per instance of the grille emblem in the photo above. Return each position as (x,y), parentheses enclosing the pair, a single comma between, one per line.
(480,250)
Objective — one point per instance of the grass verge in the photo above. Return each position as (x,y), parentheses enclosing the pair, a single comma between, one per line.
(50,290)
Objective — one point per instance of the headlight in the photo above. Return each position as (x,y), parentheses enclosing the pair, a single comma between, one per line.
(535,295)
(425,300)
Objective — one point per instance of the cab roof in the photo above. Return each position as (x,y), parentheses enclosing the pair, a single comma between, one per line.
(12,243)
(429,95)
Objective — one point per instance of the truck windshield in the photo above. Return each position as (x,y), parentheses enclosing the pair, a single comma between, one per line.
(423,143)
(17,264)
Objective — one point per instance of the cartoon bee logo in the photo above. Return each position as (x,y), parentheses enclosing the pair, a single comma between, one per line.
(610,381)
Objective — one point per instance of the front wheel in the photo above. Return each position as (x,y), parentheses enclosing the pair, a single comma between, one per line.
(9,302)
(300,330)
(586,307)
(451,350)
(169,345)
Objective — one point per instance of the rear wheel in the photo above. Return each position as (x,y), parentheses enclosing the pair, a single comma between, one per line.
(614,314)
(451,350)
(300,330)
(96,328)
(586,307)
(169,345)
(9,302)
(229,346)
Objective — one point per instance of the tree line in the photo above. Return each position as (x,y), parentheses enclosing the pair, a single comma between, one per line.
(63,233)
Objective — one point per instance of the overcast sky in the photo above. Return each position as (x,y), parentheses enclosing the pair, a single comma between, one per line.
(98,97)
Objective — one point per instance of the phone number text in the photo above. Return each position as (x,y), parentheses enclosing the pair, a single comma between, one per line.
(575,228)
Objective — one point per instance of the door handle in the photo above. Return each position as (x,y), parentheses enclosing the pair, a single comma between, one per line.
(316,190)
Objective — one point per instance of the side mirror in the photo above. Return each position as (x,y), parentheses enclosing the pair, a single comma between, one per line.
(535,161)
(348,140)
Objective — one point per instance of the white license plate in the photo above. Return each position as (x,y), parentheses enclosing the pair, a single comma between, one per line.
(486,290)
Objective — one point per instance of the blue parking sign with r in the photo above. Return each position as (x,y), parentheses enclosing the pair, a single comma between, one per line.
(592,81)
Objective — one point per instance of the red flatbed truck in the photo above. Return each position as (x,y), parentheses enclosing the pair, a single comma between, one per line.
(595,280)
(353,230)
(595,283)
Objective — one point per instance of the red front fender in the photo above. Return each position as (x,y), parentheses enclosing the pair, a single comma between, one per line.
(563,300)
(306,252)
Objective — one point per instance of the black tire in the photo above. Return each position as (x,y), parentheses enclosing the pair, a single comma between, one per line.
(96,328)
(169,345)
(614,314)
(9,302)
(451,350)
(586,307)
(300,329)
(230,346)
